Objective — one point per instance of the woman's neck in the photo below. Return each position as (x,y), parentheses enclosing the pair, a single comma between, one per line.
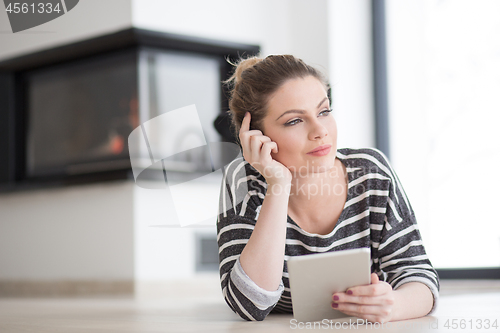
(314,188)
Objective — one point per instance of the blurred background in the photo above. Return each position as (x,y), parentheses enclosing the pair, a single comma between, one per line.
(418,79)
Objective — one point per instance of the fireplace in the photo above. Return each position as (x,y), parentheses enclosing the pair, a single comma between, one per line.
(66,113)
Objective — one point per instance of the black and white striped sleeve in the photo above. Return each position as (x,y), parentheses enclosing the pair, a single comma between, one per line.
(401,253)
(242,193)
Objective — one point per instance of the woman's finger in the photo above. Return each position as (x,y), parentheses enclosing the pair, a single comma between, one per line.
(267,148)
(245,127)
(256,142)
(357,308)
(245,136)
(245,124)
(274,147)
(379,288)
(245,140)
(381,313)
(369,290)
(370,300)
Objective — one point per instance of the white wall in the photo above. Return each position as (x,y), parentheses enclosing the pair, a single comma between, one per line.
(112,231)
(308,23)
(280,26)
(351,72)
(87,19)
(256,22)
(163,249)
(74,233)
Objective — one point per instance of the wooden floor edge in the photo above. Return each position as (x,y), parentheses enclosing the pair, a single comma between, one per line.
(66,288)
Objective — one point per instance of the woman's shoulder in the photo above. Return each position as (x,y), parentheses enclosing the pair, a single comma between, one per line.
(244,179)
(368,159)
(239,169)
(243,189)
(363,153)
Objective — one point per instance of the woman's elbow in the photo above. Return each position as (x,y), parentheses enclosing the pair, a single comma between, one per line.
(259,316)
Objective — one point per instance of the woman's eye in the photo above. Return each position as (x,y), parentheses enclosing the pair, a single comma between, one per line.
(298,120)
(292,122)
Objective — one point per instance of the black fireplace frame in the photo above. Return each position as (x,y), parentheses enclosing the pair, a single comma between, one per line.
(13,113)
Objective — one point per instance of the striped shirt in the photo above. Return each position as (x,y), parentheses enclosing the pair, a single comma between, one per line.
(376,215)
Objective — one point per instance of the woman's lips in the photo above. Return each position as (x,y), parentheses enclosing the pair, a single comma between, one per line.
(320,151)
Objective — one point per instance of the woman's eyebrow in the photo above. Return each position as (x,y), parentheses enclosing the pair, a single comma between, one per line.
(300,111)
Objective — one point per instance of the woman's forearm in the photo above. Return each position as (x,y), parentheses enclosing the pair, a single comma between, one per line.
(262,257)
(412,300)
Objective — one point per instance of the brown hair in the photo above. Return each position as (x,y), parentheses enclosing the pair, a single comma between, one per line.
(255,79)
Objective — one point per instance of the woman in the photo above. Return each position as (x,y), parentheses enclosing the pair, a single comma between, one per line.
(295,193)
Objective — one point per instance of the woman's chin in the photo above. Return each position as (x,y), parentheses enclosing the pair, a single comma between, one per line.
(308,167)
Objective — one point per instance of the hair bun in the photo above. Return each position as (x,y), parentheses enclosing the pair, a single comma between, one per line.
(241,66)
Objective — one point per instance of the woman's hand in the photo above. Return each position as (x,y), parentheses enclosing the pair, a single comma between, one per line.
(257,150)
(373,302)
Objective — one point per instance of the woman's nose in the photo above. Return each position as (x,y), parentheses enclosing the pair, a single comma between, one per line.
(317,131)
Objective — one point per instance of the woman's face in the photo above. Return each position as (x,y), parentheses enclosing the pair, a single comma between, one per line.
(299,121)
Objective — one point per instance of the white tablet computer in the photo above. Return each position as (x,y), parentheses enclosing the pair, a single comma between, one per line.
(314,278)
